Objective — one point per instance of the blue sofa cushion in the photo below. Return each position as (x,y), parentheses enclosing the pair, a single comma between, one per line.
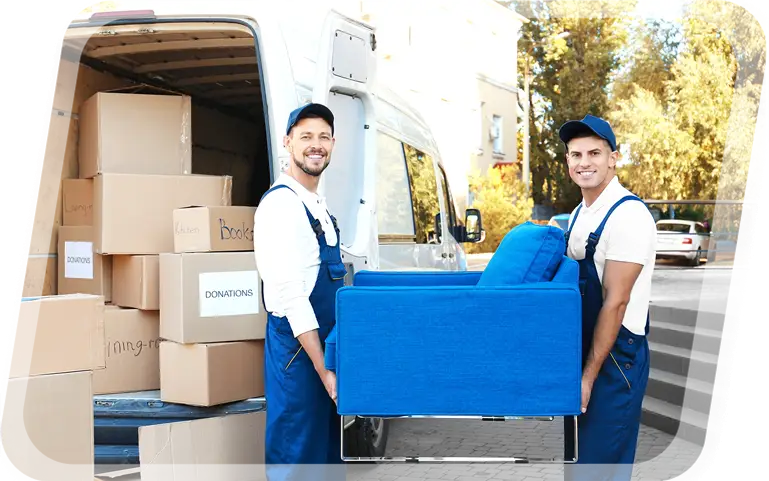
(568,271)
(529,253)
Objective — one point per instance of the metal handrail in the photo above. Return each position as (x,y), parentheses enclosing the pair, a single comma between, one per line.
(754,235)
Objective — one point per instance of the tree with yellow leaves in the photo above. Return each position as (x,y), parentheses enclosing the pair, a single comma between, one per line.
(501,197)
(690,125)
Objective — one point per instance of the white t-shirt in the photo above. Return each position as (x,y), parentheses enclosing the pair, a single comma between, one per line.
(629,236)
(287,252)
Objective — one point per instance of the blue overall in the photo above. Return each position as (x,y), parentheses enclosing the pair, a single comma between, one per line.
(608,430)
(303,438)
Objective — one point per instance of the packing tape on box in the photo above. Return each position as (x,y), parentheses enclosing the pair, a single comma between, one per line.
(227,191)
(186,141)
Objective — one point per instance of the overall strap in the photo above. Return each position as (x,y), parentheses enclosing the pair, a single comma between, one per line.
(594,237)
(274,188)
(314,223)
(567,234)
(333,221)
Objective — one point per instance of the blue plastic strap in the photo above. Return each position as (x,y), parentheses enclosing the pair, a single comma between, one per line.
(16,300)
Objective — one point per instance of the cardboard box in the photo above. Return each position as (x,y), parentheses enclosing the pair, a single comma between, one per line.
(77,198)
(59,334)
(124,133)
(48,426)
(136,282)
(210,297)
(133,214)
(214,229)
(211,374)
(227,447)
(133,352)
(41,276)
(81,271)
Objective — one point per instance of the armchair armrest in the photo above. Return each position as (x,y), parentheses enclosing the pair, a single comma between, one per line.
(459,350)
(416,278)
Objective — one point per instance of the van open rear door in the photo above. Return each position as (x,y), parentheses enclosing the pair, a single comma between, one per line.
(345,82)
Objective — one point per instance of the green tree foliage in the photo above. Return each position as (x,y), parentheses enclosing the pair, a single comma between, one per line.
(501,197)
(699,134)
(71,7)
(570,78)
(722,26)
(648,59)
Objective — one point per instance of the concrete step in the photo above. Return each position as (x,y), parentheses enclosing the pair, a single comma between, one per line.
(672,388)
(683,362)
(674,420)
(684,337)
(686,317)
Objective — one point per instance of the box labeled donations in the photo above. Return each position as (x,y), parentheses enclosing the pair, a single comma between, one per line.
(210,297)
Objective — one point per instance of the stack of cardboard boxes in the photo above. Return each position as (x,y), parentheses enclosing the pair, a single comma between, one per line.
(211,317)
(140,276)
(48,419)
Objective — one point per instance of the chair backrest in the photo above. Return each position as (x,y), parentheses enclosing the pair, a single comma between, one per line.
(529,253)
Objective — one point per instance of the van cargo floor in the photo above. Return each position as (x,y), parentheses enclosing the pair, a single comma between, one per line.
(118,417)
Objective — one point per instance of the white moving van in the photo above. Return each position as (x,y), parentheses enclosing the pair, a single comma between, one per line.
(246,65)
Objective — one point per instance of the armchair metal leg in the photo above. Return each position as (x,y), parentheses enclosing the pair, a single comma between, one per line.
(570,444)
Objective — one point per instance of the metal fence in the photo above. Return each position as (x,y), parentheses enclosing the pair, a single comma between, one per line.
(755,235)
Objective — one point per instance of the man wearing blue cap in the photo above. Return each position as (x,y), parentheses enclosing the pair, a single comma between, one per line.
(296,244)
(612,235)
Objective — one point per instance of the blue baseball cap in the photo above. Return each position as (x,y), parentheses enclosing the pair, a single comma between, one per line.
(310,109)
(591,124)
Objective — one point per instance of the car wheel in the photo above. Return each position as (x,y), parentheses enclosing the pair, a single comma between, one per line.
(367,438)
(697,256)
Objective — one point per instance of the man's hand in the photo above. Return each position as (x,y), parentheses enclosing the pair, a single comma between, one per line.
(311,343)
(587,389)
(329,381)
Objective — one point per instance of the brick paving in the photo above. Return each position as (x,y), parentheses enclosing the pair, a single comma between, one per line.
(659,457)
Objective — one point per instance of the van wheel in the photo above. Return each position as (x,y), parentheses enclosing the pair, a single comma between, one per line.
(367,438)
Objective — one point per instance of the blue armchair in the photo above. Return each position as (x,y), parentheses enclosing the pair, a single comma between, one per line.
(502,342)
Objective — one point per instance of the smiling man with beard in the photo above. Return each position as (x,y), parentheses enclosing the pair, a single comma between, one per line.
(612,235)
(296,244)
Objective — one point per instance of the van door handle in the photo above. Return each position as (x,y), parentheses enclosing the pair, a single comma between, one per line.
(444,255)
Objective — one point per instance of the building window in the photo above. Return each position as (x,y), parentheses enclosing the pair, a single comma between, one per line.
(496,134)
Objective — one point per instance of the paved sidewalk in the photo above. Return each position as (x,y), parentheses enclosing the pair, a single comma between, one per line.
(659,457)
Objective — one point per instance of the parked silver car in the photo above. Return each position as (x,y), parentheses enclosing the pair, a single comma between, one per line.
(682,239)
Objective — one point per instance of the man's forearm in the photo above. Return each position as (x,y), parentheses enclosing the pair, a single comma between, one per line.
(608,325)
(310,342)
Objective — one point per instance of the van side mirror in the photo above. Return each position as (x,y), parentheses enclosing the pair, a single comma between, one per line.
(474,226)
